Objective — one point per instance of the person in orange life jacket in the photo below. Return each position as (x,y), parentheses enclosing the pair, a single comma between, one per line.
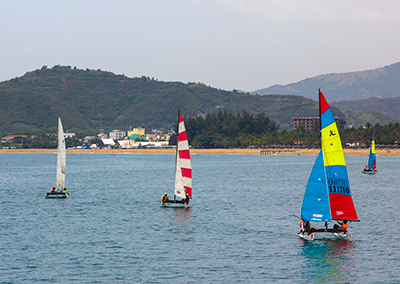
(301,225)
(343,226)
(53,189)
(164,197)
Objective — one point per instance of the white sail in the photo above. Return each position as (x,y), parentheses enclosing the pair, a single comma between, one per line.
(61,158)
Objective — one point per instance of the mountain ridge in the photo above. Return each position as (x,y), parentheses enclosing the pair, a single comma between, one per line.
(381,82)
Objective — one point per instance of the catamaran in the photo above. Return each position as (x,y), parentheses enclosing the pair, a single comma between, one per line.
(371,167)
(327,196)
(183,170)
(60,191)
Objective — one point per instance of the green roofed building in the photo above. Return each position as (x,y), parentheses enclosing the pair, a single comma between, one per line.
(137,137)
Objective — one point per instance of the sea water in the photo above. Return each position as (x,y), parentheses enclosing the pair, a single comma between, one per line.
(239,228)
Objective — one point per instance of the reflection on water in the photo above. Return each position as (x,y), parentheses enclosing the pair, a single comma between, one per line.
(328,261)
(182,216)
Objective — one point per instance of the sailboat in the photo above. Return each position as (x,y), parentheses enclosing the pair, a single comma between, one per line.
(371,167)
(183,169)
(327,196)
(60,191)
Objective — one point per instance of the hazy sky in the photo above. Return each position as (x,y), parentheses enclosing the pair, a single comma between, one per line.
(227,44)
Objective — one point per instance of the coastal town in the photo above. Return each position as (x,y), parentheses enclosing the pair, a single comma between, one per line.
(137,138)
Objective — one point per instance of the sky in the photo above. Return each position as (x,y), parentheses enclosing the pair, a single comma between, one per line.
(227,44)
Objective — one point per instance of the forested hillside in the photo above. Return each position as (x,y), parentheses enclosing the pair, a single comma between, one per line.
(89,100)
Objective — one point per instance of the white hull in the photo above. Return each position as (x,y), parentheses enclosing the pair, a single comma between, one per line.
(176,205)
(341,236)
(307,237)
(344,236)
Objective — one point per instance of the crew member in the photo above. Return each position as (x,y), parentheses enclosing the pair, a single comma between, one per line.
(164,197)
(343,225)
(301,225)
(53,189)
(187,200)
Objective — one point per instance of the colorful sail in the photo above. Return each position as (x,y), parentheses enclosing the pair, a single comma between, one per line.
(315,206)
(61,158)
(340,200)
(183,169)
(372,156)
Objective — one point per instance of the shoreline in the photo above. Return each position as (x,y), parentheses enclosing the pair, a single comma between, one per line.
(361,152)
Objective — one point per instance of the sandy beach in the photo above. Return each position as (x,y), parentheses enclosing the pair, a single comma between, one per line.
(364,152)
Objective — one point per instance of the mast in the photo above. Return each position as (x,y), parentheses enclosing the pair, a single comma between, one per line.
(177,146)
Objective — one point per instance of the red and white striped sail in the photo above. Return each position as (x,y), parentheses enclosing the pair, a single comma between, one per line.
(183,171)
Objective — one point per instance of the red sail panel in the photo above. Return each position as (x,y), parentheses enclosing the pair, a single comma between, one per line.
(342,207)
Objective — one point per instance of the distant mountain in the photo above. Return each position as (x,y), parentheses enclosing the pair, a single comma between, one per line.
(371,117)
(89,100)
(380,83)
(372,110)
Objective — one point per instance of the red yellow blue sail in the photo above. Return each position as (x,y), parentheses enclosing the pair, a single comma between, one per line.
(337,181)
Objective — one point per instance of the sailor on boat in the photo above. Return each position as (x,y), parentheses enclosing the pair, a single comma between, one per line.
(343,226)
(164,198)
(187,200)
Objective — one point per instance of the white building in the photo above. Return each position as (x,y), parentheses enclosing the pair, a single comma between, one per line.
(69,135)
(117,134)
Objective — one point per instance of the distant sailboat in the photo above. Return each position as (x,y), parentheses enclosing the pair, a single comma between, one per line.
(371,167)
(328,196)
(183,169)
(60,191)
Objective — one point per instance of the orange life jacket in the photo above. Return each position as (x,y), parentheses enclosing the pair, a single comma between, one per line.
(301,225)
(165,197)
(344,227)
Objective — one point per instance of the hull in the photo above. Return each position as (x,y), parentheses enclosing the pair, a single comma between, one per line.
(56,195)
(344,236)
(180,204)
(306,237)
(369,172)
(341,236)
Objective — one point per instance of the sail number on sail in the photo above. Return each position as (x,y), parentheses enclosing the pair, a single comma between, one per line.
(338,185)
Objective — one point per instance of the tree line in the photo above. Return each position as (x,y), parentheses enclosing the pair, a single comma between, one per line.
(226,130)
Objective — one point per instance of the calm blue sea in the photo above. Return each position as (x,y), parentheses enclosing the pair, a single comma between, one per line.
(239,229)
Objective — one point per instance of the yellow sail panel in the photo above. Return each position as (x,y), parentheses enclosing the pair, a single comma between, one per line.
(332,146)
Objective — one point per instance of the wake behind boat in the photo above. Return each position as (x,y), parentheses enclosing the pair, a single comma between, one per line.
(183,171)
(60,191)
(327,196)
(371,166)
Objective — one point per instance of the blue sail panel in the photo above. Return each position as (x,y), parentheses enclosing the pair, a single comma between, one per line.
(371,160)
(315,206)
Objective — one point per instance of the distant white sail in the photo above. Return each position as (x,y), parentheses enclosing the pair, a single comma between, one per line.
(61,158)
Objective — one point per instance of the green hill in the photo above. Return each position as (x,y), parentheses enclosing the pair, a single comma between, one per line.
(89,100)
